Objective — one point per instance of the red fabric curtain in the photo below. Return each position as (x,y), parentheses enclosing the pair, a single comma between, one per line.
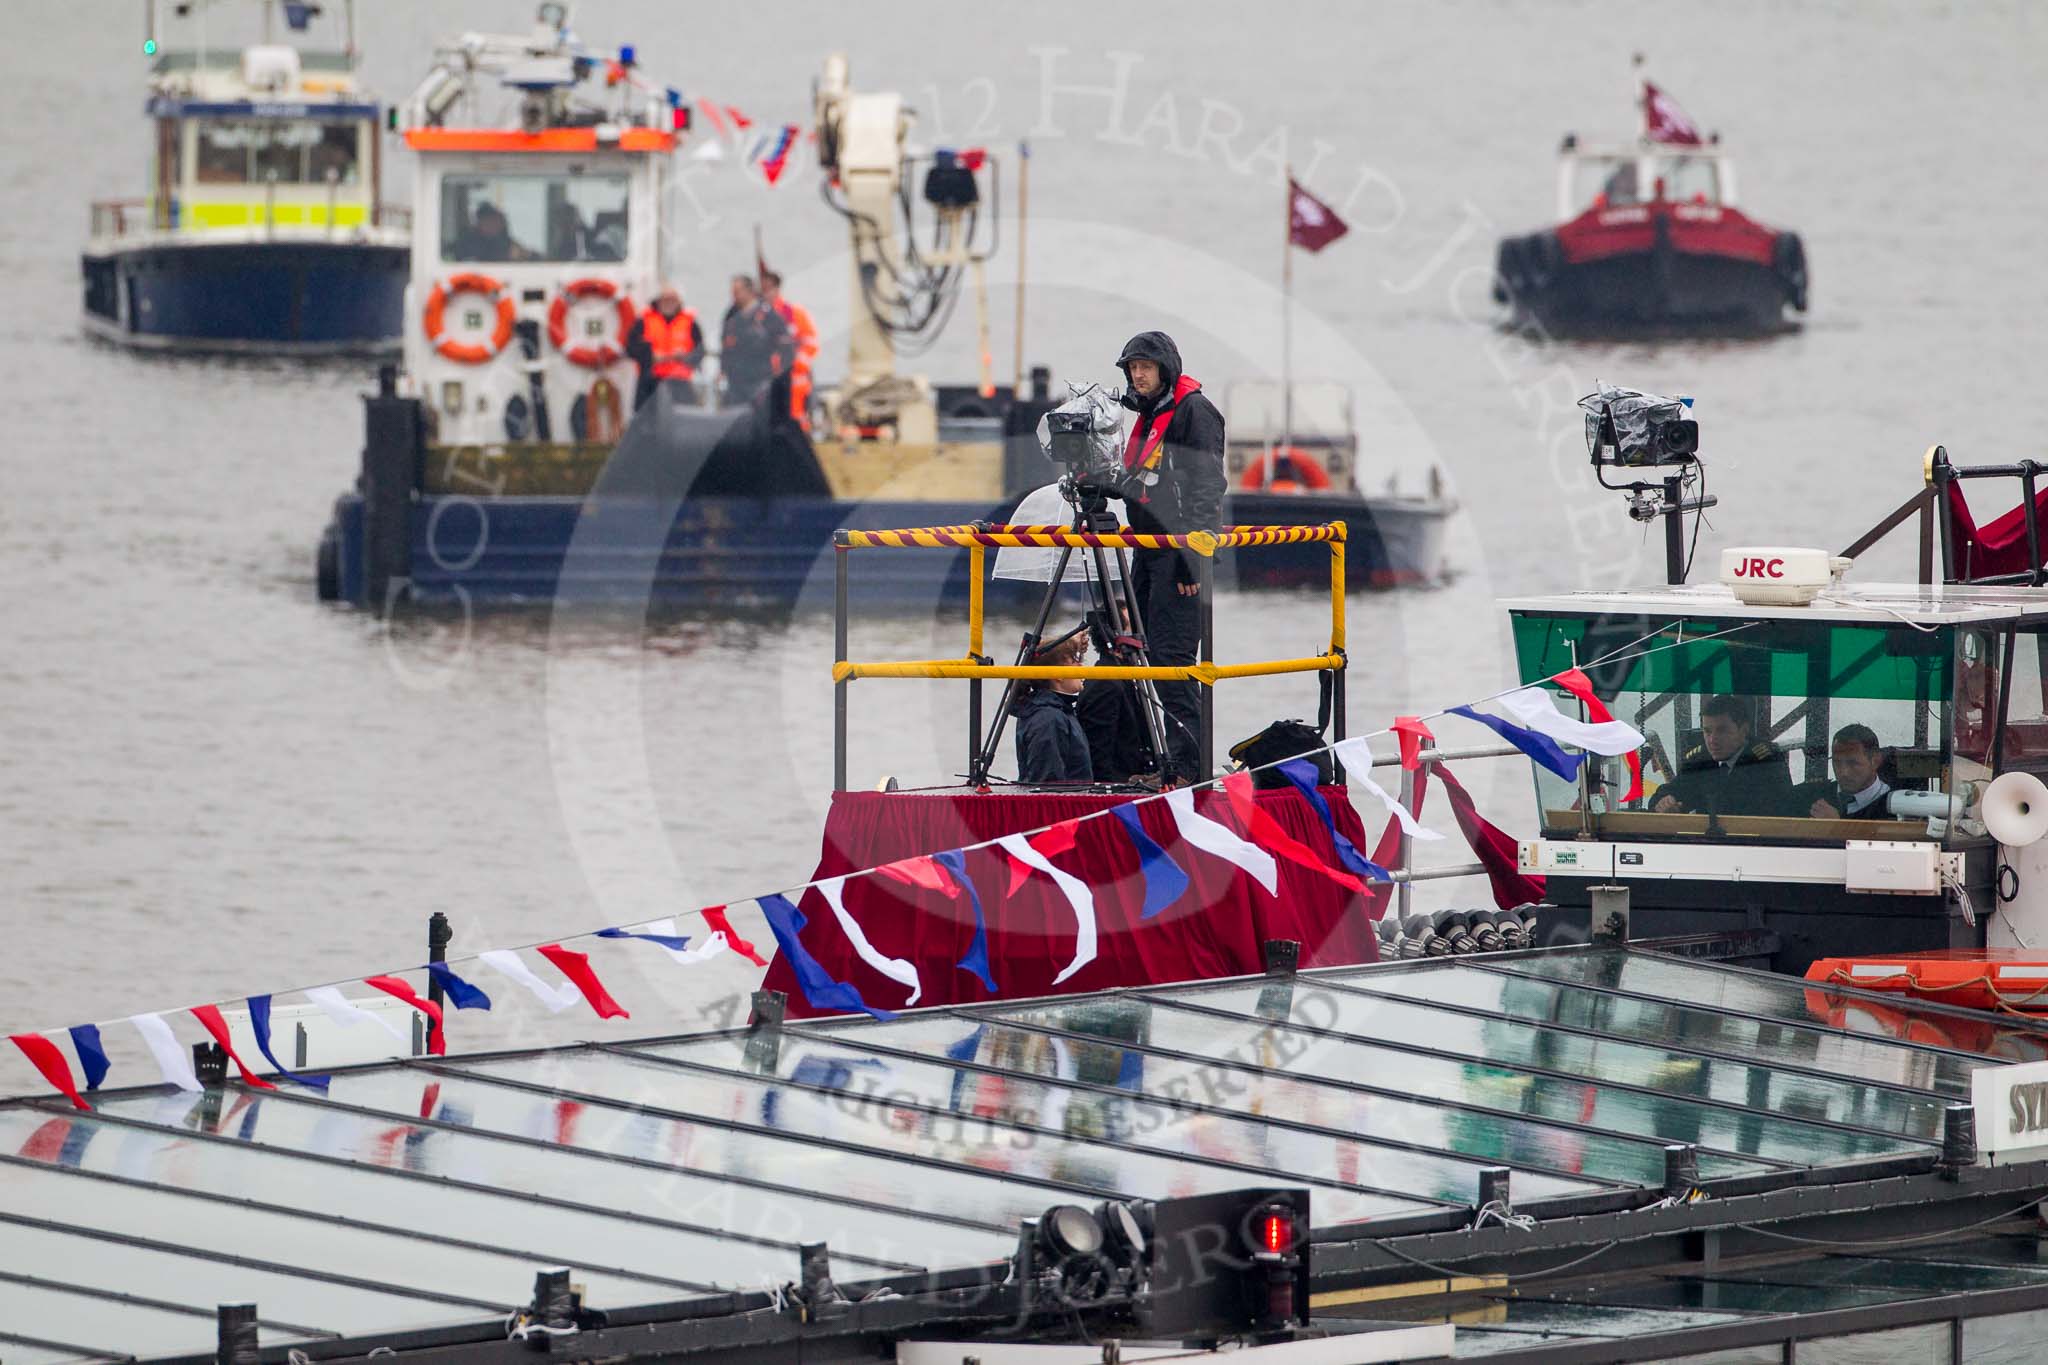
(1998,546)
(1214,930)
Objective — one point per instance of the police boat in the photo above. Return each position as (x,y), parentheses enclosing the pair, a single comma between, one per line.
(262,230)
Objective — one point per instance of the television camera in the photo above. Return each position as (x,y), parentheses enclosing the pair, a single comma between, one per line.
(1630,429)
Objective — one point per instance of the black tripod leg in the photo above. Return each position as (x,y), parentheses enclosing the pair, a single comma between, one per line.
(1148,692)
(985,759)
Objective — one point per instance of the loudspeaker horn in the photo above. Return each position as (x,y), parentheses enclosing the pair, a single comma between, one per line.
(2015,809)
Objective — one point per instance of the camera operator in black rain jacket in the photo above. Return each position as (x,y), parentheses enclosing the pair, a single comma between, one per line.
(1173,484)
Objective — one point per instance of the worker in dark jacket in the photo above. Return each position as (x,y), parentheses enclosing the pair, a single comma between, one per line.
(1173,484)
(1728,773)
(1050,745)
(756,345)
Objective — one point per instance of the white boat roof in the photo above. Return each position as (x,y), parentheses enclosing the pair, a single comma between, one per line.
(1322,409)
(1869,603)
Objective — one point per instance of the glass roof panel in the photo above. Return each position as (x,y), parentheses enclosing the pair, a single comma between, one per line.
(19,1352)
(1651,1119)
(1794,1001)
(1539,1001)
(957,1138)
(1510,1044)
(138,1329)
(674,1194)
(96,1263)
(1125,1107)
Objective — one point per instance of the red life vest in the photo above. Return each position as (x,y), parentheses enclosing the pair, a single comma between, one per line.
(1146,455)
(669,340)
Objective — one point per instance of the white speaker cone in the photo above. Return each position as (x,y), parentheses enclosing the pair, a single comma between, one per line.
(2015,809)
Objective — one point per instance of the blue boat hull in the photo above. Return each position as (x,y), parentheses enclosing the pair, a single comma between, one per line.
(723,551)
(286,297)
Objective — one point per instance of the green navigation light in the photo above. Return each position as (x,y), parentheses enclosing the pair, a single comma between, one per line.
(149,47)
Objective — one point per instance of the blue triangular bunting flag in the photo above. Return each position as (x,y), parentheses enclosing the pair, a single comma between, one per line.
(1542,748)
(1302,774)
(92,1055)
(976,958)
(259,1022)
(818,985)
(464,995)
(1165,883)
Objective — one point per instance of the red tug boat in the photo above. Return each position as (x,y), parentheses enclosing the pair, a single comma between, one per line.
(1649,240)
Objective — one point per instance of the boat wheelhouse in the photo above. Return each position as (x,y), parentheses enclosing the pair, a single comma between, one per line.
(1648,236)
(262,229)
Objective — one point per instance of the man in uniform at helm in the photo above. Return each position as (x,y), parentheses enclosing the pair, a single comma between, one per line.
(667,344)
(1728,773)
(1173,484)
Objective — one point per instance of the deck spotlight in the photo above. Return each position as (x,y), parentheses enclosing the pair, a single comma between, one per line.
(1069,1232)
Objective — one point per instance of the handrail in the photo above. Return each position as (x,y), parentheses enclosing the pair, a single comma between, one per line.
(976,667)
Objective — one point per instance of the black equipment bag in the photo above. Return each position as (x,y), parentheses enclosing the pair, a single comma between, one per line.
(1286,739)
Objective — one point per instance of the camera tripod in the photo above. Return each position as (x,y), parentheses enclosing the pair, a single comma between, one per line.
(1113,624)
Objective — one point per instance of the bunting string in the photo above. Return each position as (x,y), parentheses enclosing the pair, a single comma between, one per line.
(1537,728)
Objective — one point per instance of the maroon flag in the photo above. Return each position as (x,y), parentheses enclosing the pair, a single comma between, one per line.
(1664,121)
(1311,224)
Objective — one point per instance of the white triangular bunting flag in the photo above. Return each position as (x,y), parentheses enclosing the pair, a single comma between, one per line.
(505,962)
(1220,840)
(666,928)
(895,968)
(1074,889)
(171,1059)
(1356,756)
(348,1014)
(1534,708)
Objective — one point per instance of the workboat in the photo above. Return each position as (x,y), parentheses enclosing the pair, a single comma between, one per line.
(1649,239)
(261,231)
(507,460)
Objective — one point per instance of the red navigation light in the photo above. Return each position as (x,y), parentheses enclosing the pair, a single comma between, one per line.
(1276,1231)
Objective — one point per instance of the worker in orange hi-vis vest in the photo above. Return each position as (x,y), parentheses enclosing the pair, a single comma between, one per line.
(805,333)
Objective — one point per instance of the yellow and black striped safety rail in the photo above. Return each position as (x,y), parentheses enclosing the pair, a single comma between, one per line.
(1006,537)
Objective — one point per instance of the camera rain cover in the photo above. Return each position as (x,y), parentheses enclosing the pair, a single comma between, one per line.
(1095,416)
(1638,417)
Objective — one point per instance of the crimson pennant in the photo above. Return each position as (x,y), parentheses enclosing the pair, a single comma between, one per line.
(1581,686)
(576,966)
(714,915)
(1410,731)
(1494,849)
(209,1017)
(1265,831)
(1058,839)
(44,1056)
(922,874)
(1311,224)
(437,1042)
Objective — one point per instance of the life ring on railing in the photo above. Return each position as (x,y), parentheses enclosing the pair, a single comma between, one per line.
(435,318)
(589,357)
(1294,469)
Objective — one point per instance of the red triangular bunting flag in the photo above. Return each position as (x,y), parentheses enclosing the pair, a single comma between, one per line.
(576,966)
(922,874)
(1494,849)
(437,1043)
(1581,686)
(209,1015)
(1057,840)
(1410,731)
(714,915)
(44,1056)
(1020,871)
(1265,831)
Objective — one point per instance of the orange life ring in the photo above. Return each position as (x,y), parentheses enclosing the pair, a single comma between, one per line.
(590,357)
(1293,470)
(435,318)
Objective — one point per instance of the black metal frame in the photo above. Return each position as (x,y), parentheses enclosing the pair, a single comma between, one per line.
(1931,506)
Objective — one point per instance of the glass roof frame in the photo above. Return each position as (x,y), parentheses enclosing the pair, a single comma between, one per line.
(853,1035)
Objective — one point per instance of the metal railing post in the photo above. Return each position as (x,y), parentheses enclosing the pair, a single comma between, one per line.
(1404,897)
(839,684)
(1338,628)
(1205,575)
(976,562)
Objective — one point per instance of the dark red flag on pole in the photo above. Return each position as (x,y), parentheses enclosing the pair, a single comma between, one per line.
(1664,121)
(1311,224)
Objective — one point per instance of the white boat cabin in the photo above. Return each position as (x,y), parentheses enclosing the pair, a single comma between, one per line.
(1619,177)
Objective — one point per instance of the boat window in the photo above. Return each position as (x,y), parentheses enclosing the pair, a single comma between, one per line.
(2026,710)
(1759,727)
(1691,179)
(567,217)
(1605,181)
(262,151)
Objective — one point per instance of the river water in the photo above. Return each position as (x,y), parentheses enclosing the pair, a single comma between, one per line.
(214,785)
